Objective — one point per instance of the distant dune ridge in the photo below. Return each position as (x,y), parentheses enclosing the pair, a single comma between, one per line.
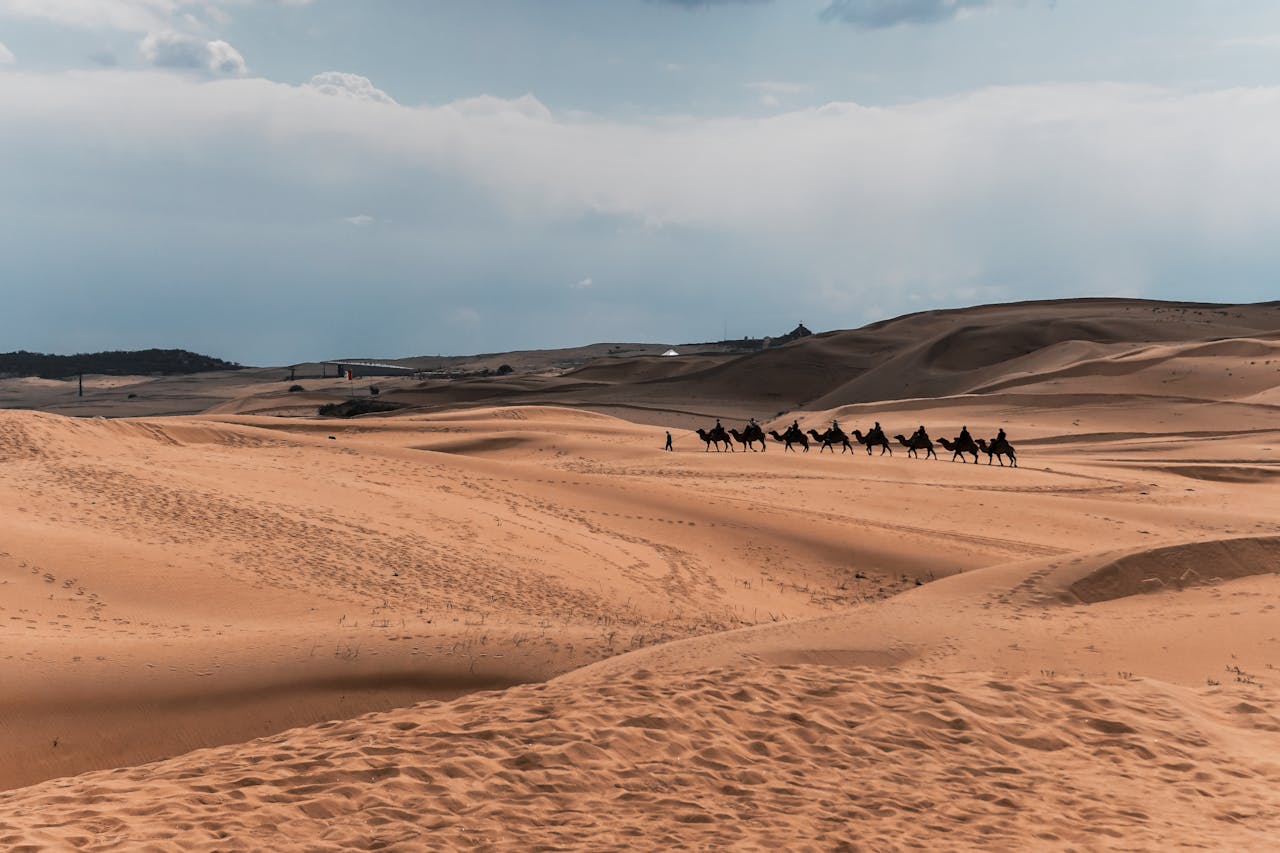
(504,618)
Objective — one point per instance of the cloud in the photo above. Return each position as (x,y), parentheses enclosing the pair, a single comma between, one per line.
(175,50)
(342,85)
(1021,191)
(6,55)
(360,220)
(137,16)
(877,14)
(128,15)
(583,283)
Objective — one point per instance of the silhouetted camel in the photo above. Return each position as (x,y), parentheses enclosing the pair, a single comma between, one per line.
(875,438)
(749,436)
(715,436)
(830,438)
(960,448)
(791,437)
(998,451)
(916,444)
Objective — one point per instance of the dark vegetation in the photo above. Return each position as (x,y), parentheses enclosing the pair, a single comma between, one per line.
(146,362)
(352,408)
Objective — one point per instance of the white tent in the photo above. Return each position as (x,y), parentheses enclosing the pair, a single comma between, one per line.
(671,352)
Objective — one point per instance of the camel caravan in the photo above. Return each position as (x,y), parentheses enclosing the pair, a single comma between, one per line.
(997,449)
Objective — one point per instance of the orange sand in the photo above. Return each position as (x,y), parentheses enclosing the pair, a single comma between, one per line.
(747,650)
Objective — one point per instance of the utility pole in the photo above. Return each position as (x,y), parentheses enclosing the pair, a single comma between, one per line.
(81,392)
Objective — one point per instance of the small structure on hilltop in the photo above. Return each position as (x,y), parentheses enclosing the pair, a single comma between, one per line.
(800,331)
(671,352)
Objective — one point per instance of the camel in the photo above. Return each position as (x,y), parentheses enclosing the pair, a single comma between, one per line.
(999,451)
(959,448)
(830,438)
(916,444)
(875,438)
(715,436)
(791,437)
(749,436)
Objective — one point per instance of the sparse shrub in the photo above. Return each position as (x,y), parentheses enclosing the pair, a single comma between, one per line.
(294,389)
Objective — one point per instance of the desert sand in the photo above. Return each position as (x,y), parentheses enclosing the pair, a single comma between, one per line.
(504,618)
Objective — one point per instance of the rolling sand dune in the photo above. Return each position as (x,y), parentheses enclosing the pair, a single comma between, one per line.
(614,647)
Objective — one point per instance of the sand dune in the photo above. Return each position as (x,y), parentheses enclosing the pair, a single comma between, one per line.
(617,647)
(793,757)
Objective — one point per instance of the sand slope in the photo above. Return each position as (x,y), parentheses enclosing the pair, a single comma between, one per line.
(792,757)
(621,647)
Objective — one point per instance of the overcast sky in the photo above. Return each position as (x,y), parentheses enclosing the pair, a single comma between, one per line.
(272,181)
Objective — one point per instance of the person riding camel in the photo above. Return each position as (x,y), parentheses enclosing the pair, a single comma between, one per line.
(835,425)
(964,438)
(920,435)
(876,432)
(1001,440)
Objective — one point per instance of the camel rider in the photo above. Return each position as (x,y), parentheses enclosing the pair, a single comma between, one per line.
(876,432)
(1001,440)
(920,436)
(718,427)
(835,425)
(964,438)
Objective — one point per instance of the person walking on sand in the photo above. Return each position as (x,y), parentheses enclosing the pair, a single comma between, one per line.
(668,447)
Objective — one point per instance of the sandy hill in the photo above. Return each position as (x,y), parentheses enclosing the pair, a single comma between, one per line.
(1119,346)
(525,626)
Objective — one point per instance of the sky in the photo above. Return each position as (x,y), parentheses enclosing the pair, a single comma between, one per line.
(274,181)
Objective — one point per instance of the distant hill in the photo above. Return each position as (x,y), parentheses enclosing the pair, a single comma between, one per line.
(147,362)
(1129,346)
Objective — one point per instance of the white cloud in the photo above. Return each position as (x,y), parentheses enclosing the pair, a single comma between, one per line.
(584,283)
(6,55)
(128,15)
(360,220)
(487,106)
(1098,184)
(137,16)
(353,86)
(175,50)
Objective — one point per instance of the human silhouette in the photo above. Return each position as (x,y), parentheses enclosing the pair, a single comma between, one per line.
(964,434)
(668,447)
